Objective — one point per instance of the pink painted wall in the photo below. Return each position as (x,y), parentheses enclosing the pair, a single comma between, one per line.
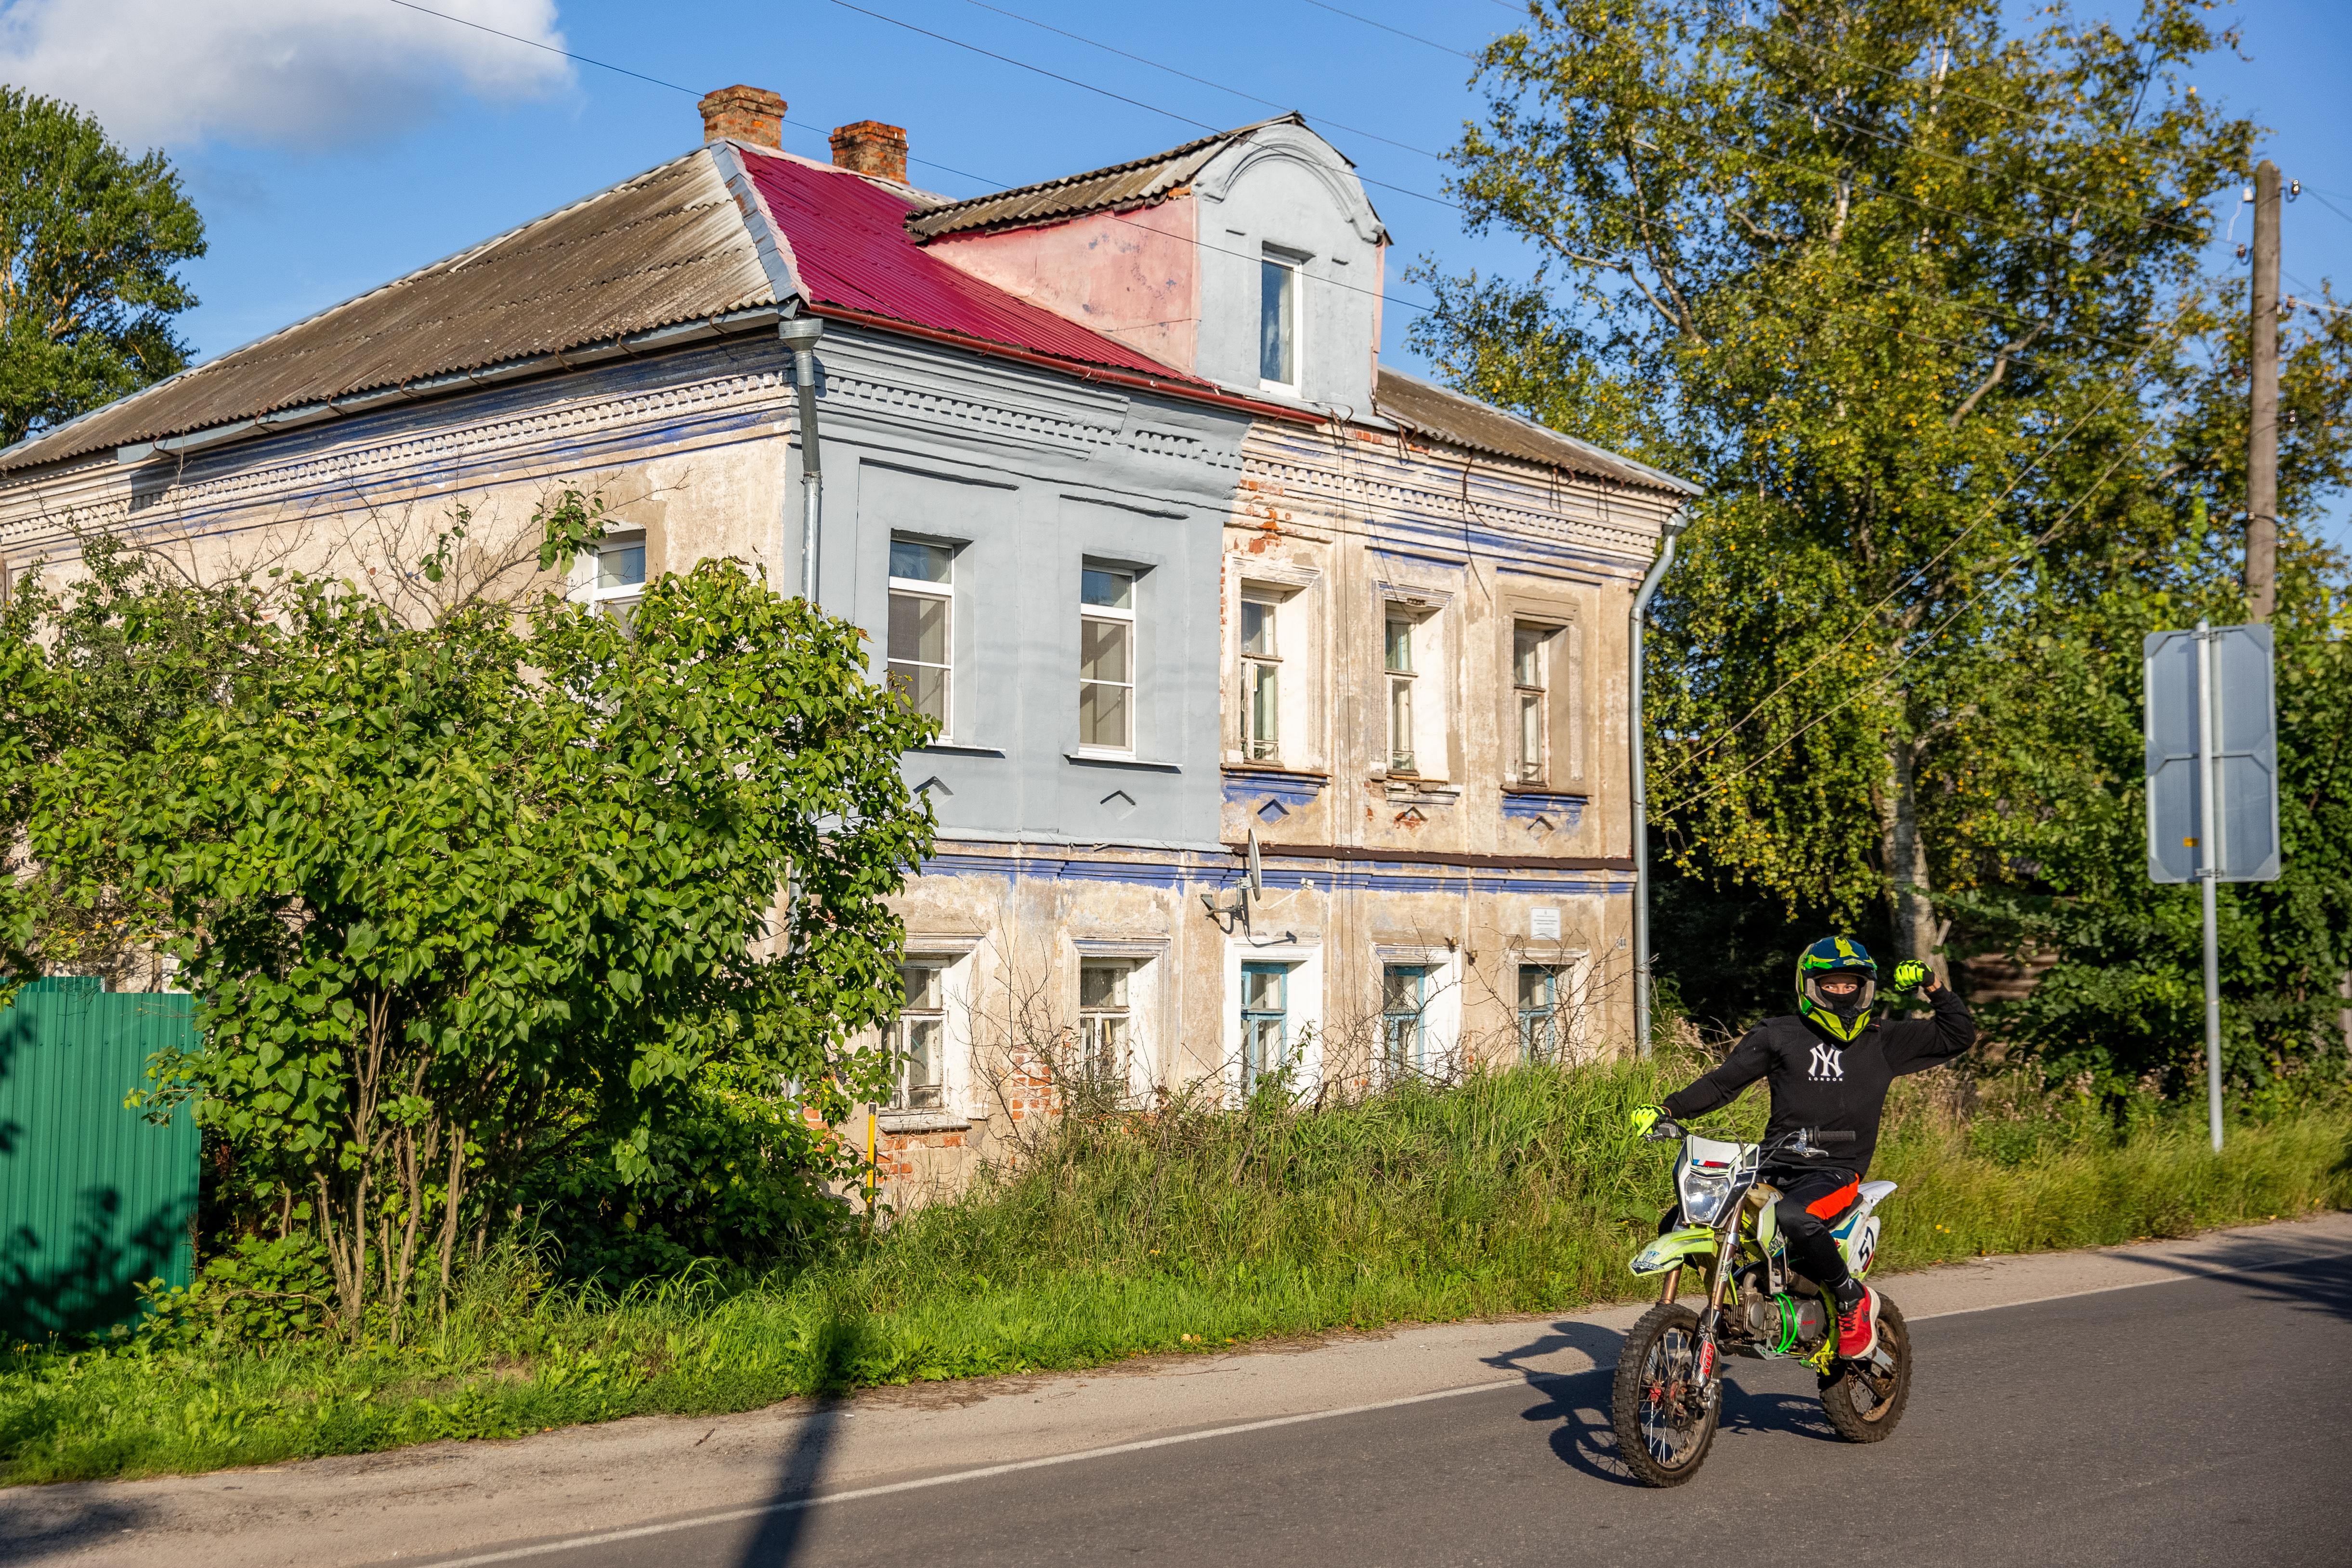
(1132,276)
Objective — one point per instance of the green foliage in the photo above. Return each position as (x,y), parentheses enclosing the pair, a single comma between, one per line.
(93,240)
(260,1292)
(1178,1232)
(736,1176)
(1917,298)
(462,899)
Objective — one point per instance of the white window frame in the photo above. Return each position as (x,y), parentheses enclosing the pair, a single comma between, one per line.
(1397,680)
(1095,1019)
(1302,1012)
(944,594)
(1571,1015)
(1127,616)
(1261,672)
(617,599)
(899,1032)
(1523,769)
(1294,266)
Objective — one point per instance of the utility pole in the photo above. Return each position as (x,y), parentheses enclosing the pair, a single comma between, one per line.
(2262,453)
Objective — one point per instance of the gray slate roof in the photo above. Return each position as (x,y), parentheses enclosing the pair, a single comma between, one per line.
(1433,410)
(1145,181)
(665,248)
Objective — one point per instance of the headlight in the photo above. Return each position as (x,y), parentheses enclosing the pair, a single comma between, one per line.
(1703,1197)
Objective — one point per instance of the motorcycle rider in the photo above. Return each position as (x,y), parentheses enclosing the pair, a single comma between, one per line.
(1830,1065)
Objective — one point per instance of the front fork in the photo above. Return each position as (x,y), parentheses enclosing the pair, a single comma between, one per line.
(1710,1360)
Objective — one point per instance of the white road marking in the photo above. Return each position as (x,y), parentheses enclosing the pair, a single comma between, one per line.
(794,1505)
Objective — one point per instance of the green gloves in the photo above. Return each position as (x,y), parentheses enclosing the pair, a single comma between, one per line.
(1910,974)
(1644,1118)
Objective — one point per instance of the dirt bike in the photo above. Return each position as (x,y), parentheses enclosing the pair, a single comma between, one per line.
(1669,1389)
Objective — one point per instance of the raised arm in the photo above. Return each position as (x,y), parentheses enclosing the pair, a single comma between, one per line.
(1915,1044)
(1748,1061)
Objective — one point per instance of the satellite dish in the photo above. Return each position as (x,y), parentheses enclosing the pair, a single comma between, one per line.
(1257,871)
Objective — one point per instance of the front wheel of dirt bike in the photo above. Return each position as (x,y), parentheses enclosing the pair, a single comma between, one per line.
(1865,1401)
(1663,1415)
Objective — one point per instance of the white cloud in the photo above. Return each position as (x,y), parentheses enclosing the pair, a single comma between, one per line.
(297,73)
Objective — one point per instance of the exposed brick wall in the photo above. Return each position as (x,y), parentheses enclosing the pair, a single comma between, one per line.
(751,114)
(870,147)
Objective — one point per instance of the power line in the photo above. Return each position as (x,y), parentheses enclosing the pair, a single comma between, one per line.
(1105,93)
(1417,307)
(1383,26)
(550,49)
(1202,81)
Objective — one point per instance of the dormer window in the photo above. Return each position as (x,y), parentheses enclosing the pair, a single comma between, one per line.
(1277,321)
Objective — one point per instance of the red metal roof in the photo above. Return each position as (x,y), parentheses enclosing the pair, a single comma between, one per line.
(850,250)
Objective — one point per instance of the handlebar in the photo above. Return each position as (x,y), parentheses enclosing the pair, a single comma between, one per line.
(1667,1131)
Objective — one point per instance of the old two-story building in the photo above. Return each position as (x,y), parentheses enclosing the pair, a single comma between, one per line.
(1114,480)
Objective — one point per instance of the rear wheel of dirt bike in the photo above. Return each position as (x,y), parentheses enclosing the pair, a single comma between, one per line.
(1864,1400)
(1664,1414)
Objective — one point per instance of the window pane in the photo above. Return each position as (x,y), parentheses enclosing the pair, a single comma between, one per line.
(1531,735)
(1102,985)
(1277,322)
(1262,987)
(922,985)
(1401,725)
(1527,655)
(1536,985)
(919,628)
(918,562)
(922,687)
(1261,694)
(1400,646)
(621,568)
(1401,988)
(1257,627)
(1103,715)
(1103,649)
(1112,590)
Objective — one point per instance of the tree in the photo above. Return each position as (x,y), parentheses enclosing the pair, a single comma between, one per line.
(454,897)
(1919,301)
(1894,284)
(88,281)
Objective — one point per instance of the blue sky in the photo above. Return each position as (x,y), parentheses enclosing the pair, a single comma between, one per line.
(422,136)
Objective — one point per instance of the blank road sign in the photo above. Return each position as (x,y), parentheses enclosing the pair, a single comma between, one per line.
(2245,756)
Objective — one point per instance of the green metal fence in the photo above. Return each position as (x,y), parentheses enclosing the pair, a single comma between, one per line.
(94,1198)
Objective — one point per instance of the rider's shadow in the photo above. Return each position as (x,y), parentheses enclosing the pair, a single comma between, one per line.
(1772,1410)
(1576,1404)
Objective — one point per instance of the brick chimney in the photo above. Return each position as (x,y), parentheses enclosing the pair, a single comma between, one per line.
(751,114)
(870,147)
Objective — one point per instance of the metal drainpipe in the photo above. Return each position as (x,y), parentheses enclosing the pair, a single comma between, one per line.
(1674,526)
(800,334)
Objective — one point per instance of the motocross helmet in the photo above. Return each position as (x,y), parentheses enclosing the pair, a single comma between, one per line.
(1842,1017)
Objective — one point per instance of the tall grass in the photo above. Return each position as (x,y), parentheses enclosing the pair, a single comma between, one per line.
(1520,1192)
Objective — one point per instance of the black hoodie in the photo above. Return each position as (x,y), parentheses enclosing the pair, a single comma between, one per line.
(1827,1084)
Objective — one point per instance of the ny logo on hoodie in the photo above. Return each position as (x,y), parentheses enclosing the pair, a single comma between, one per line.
(1827,1064)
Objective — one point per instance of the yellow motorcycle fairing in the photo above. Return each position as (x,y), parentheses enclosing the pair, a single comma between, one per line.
(1671,1249)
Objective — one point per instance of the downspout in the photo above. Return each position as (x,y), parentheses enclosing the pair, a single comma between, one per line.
(1640,815)
(800,334)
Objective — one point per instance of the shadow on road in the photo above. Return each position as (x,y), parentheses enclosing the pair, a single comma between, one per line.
(2312,1273)
(42,1524)
(777,1540)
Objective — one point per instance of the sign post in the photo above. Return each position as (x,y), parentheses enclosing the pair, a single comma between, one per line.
(2212,782)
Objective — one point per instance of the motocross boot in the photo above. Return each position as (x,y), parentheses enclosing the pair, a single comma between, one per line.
(1857,1327)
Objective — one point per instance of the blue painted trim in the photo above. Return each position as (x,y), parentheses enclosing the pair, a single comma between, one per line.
(1342,876)
(1526,806)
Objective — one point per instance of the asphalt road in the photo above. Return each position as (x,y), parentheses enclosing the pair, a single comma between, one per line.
(2201,1420)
